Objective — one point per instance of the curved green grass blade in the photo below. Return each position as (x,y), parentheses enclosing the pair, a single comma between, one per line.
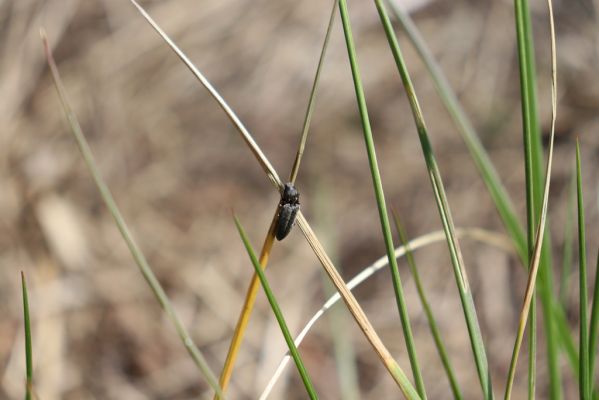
(28,349)
(380,199)
(453,381)
(277,311)
(584,378)
(136,252)
(476,341)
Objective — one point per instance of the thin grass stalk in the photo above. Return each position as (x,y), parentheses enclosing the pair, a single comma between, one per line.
(594,328)
(529,121)
(136,252)
(354,308)
(535,262)
(583,344)
(245,134)
(533,170)
(311,101)
(476,341)
(277,312)
(394,369)
(380,199)
(536,255)
(28,347)
(432,323)
(488,237)
(252,290)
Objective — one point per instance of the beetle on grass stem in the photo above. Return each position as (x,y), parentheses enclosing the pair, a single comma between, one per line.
(288,208)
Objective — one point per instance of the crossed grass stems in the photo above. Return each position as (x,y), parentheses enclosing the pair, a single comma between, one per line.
(459,270)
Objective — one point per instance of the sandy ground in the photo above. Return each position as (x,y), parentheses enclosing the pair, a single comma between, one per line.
(177,168)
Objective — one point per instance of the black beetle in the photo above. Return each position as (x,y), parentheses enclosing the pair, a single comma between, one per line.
(288,208)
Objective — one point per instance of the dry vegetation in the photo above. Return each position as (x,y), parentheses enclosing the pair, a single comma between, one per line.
(177,168)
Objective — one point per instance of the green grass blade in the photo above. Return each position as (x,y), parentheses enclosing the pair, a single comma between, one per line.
(277,311)
(443,206)
(584,378)
(594,329)
(528,307)
(453,382)
(136,252)
(28,349)
(380,199)
(533,159)
(534,267)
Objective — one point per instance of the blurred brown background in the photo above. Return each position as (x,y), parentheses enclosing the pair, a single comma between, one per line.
(177,168)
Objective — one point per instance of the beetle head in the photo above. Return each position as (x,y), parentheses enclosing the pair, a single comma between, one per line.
(290,194)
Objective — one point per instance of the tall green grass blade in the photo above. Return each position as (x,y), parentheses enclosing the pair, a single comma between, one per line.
(136,252)
(28,349)
(437,337)
(380,199)
(584,378)
(533,160)
(277,311)
(594,329)
(476,341)
(528,307)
